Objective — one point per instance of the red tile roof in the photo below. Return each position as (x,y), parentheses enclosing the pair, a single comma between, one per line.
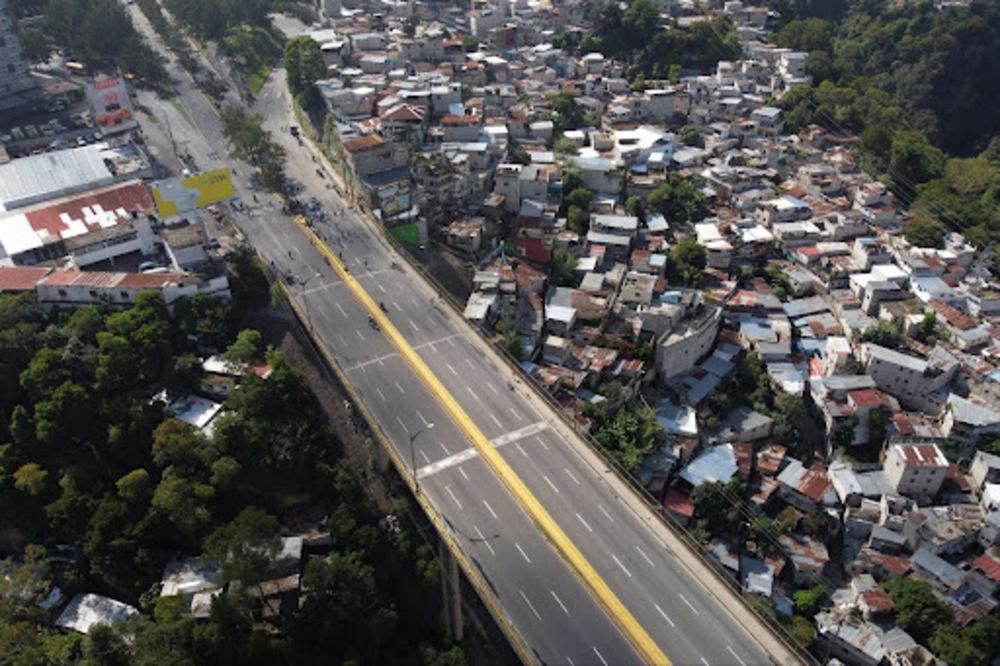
(460,121)
(878,600)
(148,280)
(21,278)
(864,397)
(953,315)
(363,143)
(926,455)
(61,278)
(989,566)
(93,210)
(679,503)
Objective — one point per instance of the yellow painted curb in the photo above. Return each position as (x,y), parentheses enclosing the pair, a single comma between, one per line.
(472,573)
(630,627)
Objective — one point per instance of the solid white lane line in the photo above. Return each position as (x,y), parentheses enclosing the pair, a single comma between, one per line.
(483,539)
(732,652)
(414,326)
(448,365)
(402,425)
(444,448)
(645,557)
(523,554)
(489,508)
(541,442)
(551,485)
(496,420)
(619,563)
(342,311)
(605,512)
(585,523)
(530,605)
(665,616)
(559,601)
(517,445)
(359,334)
(424,456)
(399,387)
(380,394)
(475,397)
(421,416)
(575,480)
(470,453)
(464,475)
(599,655)
(684,599)
(454,499)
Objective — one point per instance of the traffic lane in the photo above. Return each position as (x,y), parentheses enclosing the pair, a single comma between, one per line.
(514,556)
(557,615)
(634,561)
(652,591)
(675,590)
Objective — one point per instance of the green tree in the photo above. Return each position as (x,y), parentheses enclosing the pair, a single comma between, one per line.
(581,197)
(304,66)
(631,434)
(810,601)
(678,200)
(85,323)
(883,333)
(562,265)
(176,443)
(564,146)
(568,114)
(687,261)
(789,408)
(949,645)
(576,220)
(802,630)
(44,374)
(248,546)
(225,471)
(923,231)
(918,611)
(65,417)
(30,478)
(690,135)
(134,487)
(185,503)
(247,348)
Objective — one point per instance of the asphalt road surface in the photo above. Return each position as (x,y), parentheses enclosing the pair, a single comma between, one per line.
(546,602)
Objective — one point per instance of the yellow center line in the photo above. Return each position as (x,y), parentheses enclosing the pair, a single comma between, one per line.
(630,627)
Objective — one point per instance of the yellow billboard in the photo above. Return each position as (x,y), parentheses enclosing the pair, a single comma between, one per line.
(176,196)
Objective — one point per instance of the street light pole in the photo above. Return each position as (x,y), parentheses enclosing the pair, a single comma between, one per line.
(413,456)
(305,299)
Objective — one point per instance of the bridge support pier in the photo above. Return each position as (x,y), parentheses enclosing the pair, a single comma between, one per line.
(452,590)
